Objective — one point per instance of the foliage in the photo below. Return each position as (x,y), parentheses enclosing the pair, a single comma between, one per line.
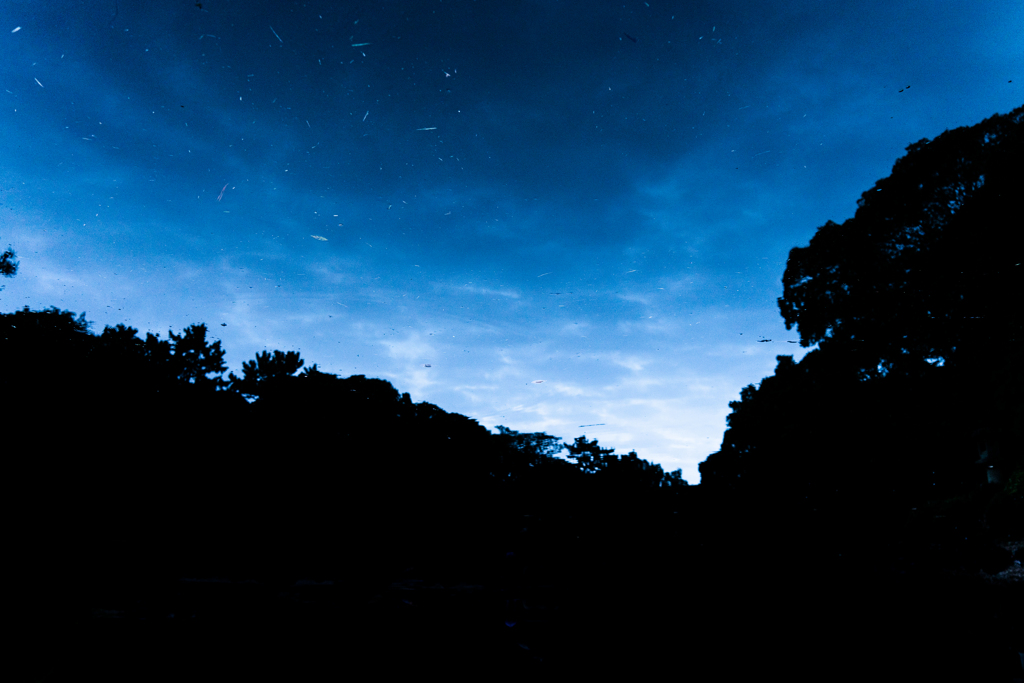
(51,325)
(519,452)
(195,358)
(914,306)
(589,457)
(8,266)
(39,345)
(265,369)
(928,268)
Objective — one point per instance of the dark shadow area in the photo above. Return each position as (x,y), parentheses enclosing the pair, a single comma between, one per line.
(865,512)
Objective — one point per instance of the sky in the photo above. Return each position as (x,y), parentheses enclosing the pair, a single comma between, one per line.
(561,217)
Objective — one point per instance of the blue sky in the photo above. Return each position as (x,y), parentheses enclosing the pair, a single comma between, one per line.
(568,227)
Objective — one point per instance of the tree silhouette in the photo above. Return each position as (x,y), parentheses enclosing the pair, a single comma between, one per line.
(8,266)
(522,451)
(194,358)
(589,457)
(914,304)
(629,470)
(928,269)
(804,433)
(266,368)
(40,347)
(674,479)
(928,273)
(123,377)
(121,342)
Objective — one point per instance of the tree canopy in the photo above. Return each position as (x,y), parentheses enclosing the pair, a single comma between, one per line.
(8,266)
(195,358)
(914,306)
(266,368)
(928,269)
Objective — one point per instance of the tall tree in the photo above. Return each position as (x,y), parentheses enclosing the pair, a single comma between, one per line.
(914,303)
(928,269)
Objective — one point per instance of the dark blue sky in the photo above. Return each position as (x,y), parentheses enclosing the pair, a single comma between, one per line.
(569,227)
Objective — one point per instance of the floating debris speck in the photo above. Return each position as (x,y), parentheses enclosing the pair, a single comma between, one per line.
(318,237)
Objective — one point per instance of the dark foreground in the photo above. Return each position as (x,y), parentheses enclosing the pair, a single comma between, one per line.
(746,616)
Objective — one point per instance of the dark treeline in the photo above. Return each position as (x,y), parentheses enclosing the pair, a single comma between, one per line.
(851,489)
(151,427)
(140,464)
